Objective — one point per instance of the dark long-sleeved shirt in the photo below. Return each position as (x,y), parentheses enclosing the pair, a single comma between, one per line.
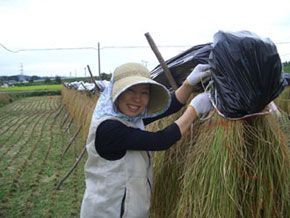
(114,138)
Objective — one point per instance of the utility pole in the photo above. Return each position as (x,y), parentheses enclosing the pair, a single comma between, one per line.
(21,69)
(99,60)
(21,77)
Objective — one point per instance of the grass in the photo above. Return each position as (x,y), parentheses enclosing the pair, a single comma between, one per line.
(31,164)
(32,88)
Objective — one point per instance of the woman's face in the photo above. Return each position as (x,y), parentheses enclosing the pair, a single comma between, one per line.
(134,100)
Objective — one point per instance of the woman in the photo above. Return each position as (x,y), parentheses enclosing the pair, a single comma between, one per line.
(119,166)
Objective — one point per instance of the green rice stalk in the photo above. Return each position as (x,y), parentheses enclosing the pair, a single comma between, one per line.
(267,189)
(237,169)
(208,176)
(283,101)
(168,168)
(284,121)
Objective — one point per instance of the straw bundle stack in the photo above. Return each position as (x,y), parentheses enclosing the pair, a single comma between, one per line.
(228,169)
(81,106)
(283,101)
(232,169)
(168,168)
(237,169)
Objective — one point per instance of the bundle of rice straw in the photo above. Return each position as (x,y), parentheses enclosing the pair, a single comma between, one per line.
(237,169)
(283,104)
(283,101)
(168,168)
(231,169)
(80,106)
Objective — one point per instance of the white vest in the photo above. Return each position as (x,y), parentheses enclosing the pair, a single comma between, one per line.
(111,184)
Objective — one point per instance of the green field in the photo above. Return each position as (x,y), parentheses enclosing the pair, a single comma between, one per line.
(34,132)
(32,88)
(12,94)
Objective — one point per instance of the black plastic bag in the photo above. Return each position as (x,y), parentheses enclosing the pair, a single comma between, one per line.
(247,73)
(182,64)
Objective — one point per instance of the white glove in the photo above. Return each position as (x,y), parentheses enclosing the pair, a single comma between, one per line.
(199,72)
(201,103)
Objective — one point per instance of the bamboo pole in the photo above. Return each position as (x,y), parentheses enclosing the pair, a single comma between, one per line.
(58,113)
(161,61)
(93,79)
(68,126)
(73,167)
(65,119)
(71,140)
(84,86)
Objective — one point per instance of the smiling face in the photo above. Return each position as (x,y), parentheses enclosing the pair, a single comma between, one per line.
(134,100)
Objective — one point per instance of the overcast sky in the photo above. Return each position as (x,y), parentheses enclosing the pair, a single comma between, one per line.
(115,24)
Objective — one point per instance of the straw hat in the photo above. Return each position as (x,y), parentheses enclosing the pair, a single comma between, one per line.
(131,74)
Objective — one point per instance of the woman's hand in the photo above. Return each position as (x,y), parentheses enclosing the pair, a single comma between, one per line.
(200,104)
(185,90)
(199,72)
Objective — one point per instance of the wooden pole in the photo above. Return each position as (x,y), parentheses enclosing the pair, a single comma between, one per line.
(65,119)
(73,167)
(93,79)
(84,86)
(68,126)
(161,61)
(62,106)
(71,140)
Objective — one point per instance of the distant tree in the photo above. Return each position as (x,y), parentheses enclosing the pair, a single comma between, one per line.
(35,77)
(57,80)
(286,67)
(14,78)
(105,76)
(31,80)
(47,80)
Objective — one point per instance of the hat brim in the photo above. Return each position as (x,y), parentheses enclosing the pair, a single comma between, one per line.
(159,95)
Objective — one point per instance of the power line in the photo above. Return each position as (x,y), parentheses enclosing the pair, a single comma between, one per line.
(282,43)
(6,48)
(45,49)
(87,48)
(145,46)
(105,47)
